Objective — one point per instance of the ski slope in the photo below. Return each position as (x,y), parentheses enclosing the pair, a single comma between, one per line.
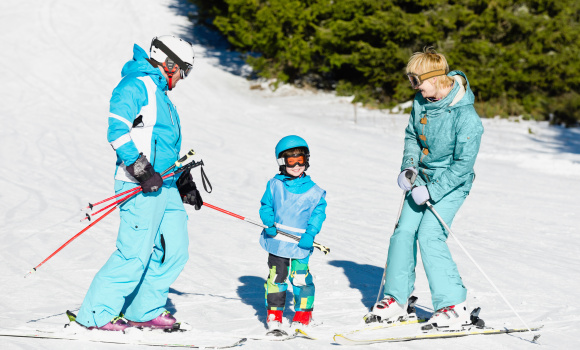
(62,58)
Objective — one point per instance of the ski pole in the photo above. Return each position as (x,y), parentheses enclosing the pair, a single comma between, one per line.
(118,204)
(139,189)
(131,191)
(178,164)
(536,336)
(78,234)
(318,246)
(396,224)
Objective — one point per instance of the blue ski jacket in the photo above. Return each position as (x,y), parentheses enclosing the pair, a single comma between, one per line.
(442,140)
(296,206)
(142,119)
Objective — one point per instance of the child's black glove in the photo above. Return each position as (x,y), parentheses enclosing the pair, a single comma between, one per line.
(188,191)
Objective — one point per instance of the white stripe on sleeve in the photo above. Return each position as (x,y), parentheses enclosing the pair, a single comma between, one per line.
(121,141)
(118,117)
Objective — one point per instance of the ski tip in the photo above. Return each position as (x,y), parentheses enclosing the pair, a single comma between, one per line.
(71,316)
(300,332)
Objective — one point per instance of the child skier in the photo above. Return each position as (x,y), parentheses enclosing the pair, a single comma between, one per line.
(295,204)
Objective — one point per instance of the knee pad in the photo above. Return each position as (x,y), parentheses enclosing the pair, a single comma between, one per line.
(301,278)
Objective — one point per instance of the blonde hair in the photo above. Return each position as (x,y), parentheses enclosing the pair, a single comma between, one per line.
(427,61)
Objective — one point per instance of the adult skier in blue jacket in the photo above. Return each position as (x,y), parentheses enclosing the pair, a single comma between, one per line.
(152,243)
(295,204)
(441,144)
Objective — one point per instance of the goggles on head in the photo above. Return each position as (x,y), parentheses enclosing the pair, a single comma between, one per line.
(418,79)
(293,160)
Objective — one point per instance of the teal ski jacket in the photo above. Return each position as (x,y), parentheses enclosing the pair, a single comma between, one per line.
(142,118)
(442,140)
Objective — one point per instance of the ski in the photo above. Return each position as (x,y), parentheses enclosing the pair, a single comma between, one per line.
(177,326)
(283,335)
(373,323)
(379,326)
(276,333)
(344,340)
(47,335)
(302,334)
(126,337)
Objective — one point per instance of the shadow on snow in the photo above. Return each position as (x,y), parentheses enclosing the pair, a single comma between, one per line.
(216,45)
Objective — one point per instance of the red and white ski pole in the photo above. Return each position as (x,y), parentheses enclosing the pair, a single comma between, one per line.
(139,189)
(130,193)
(178,164)
(318,246)
(80,233)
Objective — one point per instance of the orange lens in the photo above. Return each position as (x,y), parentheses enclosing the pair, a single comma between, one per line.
(293,160)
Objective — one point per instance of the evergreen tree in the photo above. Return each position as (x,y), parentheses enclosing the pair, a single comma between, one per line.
(519,55)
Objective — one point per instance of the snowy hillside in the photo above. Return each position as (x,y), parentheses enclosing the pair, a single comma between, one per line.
(62,58)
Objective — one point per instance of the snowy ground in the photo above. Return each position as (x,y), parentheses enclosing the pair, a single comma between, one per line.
(60,62)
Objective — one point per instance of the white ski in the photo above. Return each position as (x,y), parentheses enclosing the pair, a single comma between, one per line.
(345,340)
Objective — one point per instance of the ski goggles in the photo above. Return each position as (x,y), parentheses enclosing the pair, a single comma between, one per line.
(292,161)
(185,68)
(185,72)
(418,79)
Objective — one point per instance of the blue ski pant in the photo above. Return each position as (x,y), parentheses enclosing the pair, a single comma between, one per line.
(419,224)
(152,249)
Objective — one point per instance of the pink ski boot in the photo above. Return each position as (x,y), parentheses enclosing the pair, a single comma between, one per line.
(163,321)
(116,324)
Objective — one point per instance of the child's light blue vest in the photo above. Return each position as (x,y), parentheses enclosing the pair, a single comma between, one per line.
(291,214)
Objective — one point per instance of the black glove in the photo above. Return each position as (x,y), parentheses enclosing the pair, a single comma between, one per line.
(188,191)
(149,179)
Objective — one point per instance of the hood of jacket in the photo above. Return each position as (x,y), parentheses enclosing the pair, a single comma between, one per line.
(297,185)
(459,96)
(140,66)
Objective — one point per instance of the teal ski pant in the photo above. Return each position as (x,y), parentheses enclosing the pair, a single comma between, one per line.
(152,249)
(419,224)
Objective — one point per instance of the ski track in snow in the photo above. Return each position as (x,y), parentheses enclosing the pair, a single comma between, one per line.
(62,58)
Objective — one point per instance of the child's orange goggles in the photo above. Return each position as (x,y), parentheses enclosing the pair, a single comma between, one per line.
(292,161)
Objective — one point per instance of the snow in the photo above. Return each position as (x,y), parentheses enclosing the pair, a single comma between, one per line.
(60,62)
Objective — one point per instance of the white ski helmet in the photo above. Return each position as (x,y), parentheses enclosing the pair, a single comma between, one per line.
(168,51)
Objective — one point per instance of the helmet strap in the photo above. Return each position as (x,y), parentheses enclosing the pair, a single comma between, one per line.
(170,68)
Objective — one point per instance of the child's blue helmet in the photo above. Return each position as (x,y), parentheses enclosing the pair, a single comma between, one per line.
(290,141)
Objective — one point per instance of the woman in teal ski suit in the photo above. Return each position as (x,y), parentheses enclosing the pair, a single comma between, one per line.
(441,144)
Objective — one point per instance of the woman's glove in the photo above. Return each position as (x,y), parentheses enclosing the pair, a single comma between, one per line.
(142,171)
(188,191)
(406,178)
(420,195)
